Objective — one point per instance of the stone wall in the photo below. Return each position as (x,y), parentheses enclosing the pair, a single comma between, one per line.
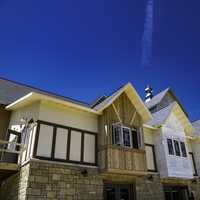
(40,180)
(15,187)
(149,189)
(55,181)
(195,189)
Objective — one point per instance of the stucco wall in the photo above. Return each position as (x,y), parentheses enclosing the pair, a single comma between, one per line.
(171,165)
(27,112)
(68,117)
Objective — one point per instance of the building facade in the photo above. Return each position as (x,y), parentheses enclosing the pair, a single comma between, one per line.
(117,148)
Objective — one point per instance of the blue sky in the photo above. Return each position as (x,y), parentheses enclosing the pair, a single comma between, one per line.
(84,49)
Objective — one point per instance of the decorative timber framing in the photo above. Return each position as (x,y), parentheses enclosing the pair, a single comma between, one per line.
(116,112)
(154,157)
(70,129)
(133,118)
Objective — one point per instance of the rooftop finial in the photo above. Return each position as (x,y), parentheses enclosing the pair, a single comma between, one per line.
(149,93)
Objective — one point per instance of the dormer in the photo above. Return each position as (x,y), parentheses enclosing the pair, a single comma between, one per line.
(162,100)
(120,141)
(170,140)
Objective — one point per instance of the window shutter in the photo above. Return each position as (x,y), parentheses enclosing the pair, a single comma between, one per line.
(139,138)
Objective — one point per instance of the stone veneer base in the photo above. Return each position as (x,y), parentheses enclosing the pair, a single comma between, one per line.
(39,181)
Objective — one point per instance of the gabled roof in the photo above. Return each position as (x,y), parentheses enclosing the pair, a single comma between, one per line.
(10,91)
(156,99)
(159,97)
(132,95)
(160,117)
(44,96)
(196,125)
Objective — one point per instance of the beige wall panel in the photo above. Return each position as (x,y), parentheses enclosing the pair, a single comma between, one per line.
(150,158)
(61,143)
(75,146)
(148,136)
(89,148)
(45,141)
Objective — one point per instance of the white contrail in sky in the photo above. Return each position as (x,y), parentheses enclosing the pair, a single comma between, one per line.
(147,38)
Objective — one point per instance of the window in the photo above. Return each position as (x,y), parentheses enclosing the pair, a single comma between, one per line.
(65,144)
(118,192)
(170,147)
(135,138)
(177,148)
(125,136)
(116,134)
(183,149)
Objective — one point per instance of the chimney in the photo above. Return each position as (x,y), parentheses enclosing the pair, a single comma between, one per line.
(149,93)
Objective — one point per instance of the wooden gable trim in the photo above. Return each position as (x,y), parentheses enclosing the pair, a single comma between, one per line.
(133,118)
(117,113)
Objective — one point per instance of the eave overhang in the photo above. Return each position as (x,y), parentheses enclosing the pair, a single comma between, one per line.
(33,97)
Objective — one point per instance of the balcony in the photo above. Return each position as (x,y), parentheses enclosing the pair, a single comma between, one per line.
(116,159)
(10,158)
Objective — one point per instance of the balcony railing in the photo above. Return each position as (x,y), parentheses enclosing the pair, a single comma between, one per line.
(116,159)
(10,152)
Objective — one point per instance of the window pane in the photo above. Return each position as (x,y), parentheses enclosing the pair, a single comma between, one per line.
(126,137)
(110,193)
(116,134)
(183,149)
(170,147)
(124,193)
(139,132)
(135,139)
(177,149)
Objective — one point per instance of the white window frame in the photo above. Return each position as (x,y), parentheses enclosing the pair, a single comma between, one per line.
(181,149)
(122,135)
(172,146)
(114,126)
(130,136)
(174,150)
